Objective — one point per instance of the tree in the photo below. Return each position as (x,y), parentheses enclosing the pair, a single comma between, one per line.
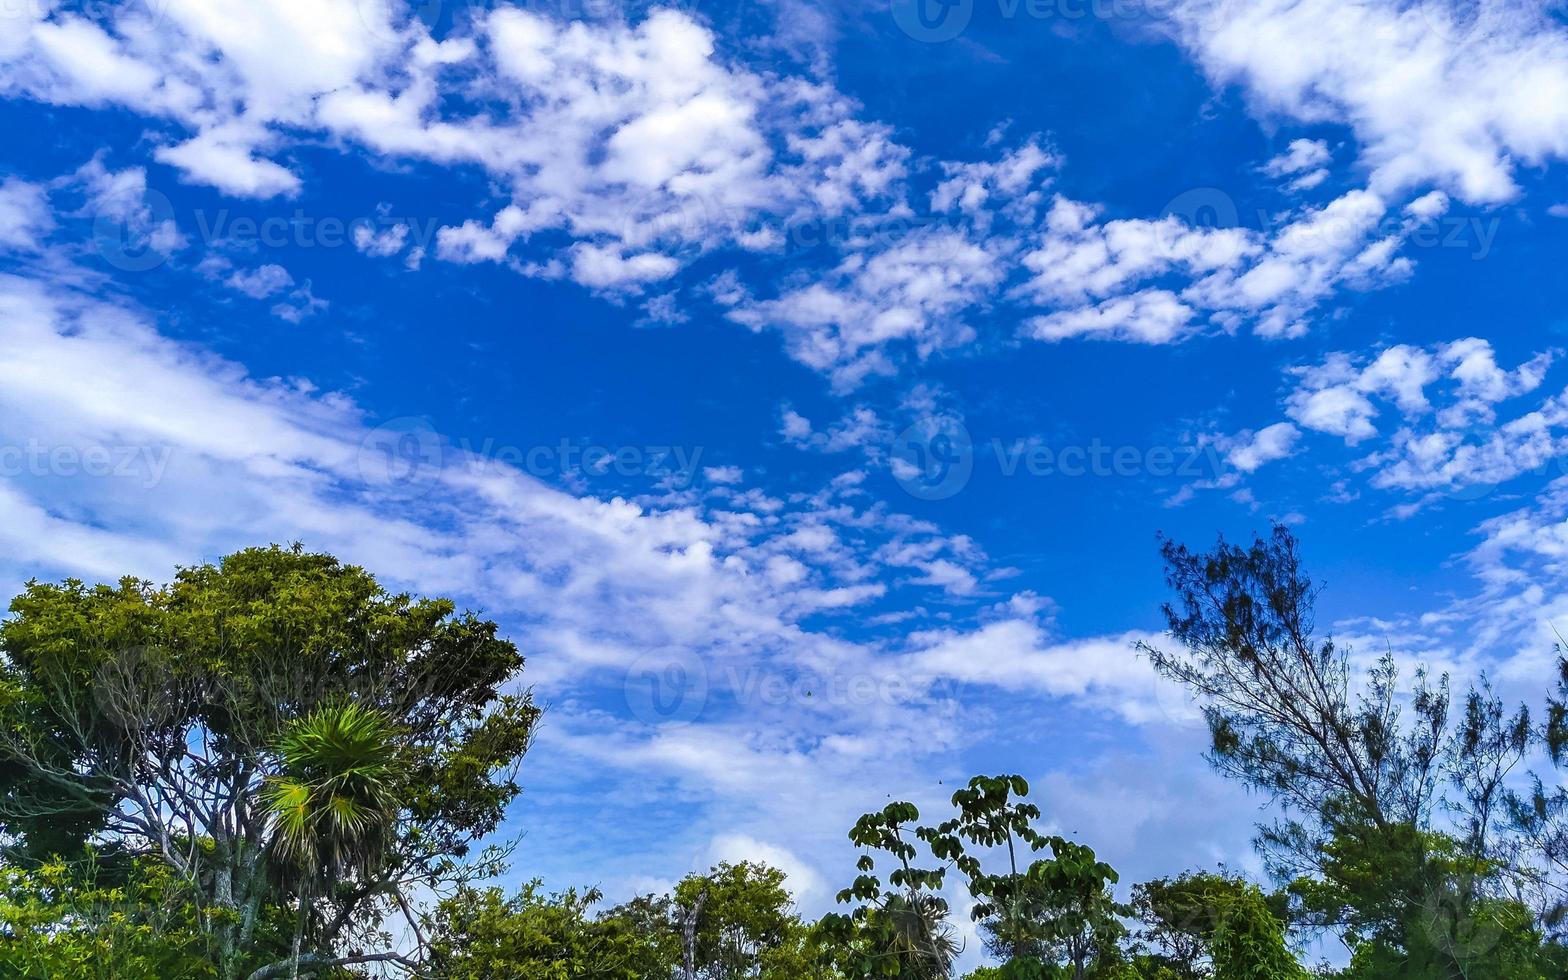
(332,805)
(740,918)
(1058,910)
(1248,941)
(739,911)
(1074,919)
(990,814)
(107,917)
(153,720)
(656,920)
(901,930)
(1057,917)
(804,953)
(1391,806)
(482,935)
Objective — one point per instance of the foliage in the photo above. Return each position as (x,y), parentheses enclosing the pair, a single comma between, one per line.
(333,801)
(256,770)
(1058,910)
(1400,828)
(1057,915)
(744,912)
(1074,918)
(157,720)
(1181,917)
(899,930)
(106,918)
(1248,942)
(991,814)
(483,935)
(743,927)
(804,953)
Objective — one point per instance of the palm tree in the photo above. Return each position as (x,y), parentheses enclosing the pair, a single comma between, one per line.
(914,933)
(333,804)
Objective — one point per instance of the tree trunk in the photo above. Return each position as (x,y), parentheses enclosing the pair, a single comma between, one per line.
(689,936)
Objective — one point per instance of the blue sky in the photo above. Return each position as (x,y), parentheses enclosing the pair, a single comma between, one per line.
(804,385)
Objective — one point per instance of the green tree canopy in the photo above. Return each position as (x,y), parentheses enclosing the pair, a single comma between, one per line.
(1400,823)
(153,719)
(483,935)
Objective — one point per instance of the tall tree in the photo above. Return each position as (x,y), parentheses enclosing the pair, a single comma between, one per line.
(151,719)
(900,929)
(737,912)
(1057,910)
(1392,804)
(1074,919)
(993,814)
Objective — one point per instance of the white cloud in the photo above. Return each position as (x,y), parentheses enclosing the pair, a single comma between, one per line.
(682,159)
(1437,93)
(1254,449)
(1109,278)
(1018,655)
(300,304)
(1445,400)
(695,153)
(806,885)
(1338,410)
(1153,316)
(921,289)
(387,241)
(232,167)
(974,188)
(1304,162)
(860,428)
(25,218)
(260,282)
(1336,395)
(1300,155)
(605,267)
(1079,257)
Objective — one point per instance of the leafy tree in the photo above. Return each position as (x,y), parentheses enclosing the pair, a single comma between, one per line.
(656,920)
(740,911)
(992,814)
(106,917)
(1390,805)
(1180,917)
(332,805)
(804,953)
(899,930)
(1074,919)
(1248,941)
(1058,910)
(1365,892)
(154,719)
(482,935)
(1055,918)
